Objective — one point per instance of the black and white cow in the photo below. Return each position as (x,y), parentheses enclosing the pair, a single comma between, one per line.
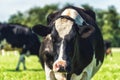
(73,47)
(19,36)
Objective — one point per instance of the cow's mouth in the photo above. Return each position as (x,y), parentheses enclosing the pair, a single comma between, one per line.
(60,75)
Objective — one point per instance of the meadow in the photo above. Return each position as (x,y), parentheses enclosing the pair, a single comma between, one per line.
(110,69)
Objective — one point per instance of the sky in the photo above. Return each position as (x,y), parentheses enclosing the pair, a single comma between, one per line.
(10,7)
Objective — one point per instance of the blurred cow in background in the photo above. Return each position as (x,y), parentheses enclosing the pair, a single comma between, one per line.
(20,37)
(108,50)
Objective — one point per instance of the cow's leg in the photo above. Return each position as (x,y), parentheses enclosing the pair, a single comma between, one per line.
(49,73)
(21,59)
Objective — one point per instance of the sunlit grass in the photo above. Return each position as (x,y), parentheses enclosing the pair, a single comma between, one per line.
(110,69)
(8,64)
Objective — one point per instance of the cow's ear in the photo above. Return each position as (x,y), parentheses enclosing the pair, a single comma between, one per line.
(51,16)
(91,14)
(41,30)
(86,30)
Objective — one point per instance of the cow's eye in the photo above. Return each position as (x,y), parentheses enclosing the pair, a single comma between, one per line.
(83,23)
(54,40)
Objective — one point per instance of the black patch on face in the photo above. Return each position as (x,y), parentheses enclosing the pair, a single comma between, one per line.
(49,59)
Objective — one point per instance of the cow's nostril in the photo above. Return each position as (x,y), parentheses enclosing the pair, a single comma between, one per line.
(56,67)
(59,66)
(61,69)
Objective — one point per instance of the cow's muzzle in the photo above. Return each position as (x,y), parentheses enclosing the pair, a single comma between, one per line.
(59,66)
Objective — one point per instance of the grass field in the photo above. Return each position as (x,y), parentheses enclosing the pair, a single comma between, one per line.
(110,70)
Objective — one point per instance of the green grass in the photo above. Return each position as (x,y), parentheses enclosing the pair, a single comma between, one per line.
(8,64)
(110,70)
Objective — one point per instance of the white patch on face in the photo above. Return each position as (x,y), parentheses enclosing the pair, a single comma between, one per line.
(63,26)
(61,51)
(88,72)
(60,57)
(73,14)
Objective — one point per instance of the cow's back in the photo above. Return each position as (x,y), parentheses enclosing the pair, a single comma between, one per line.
(19,36)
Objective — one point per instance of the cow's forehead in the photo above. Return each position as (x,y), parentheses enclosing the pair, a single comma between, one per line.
(74,15)
(63,26)
(70,12)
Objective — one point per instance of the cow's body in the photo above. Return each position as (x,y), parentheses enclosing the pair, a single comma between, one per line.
(18,36)
(73,48)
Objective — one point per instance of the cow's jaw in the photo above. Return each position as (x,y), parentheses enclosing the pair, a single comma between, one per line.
(60,76)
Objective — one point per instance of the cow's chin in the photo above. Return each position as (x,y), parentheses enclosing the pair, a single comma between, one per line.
(60,76)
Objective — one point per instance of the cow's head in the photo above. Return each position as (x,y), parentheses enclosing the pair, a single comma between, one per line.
(60,35)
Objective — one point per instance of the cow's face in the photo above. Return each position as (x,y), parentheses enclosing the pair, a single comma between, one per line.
(63,36)
(59,44)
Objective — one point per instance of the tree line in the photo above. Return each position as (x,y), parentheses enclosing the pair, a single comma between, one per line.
(107,20)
